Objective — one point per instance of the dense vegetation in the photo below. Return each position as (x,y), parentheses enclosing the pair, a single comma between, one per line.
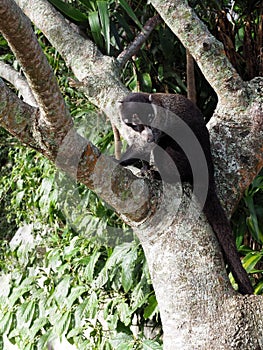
(69,266)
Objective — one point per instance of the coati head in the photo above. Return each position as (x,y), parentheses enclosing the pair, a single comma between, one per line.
(138,113)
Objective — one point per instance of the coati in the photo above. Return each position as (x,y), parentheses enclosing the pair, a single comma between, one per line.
(156,117)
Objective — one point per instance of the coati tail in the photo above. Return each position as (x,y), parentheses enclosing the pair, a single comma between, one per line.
(220,224)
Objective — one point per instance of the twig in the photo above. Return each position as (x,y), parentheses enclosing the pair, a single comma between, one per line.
(190,72)
(140,39)
(117,142)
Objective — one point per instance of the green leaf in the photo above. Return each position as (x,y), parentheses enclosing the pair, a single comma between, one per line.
(130,13)
(124,313)
(252,220)
(151,309)
(79,313)
(54,258)
(38,324)
(147,82)
(44,339)
(117,256)
(69,11)
(26,312)
(122,341)
(91,5)
(123,23)
(6,322)
(112,321)
(62,289)
(95,27)
(252,223)
(151,345)
(19,291)
(74,294)
(138,297)
(92,306)
(127,269)
(250,260)
(62,324)
(19,197)
(259,288)
(110,306)
(105,22)
(90,266)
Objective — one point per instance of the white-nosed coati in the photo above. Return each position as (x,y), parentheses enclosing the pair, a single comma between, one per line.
(147,115)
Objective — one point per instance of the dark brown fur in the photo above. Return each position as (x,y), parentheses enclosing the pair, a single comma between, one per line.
(190,114)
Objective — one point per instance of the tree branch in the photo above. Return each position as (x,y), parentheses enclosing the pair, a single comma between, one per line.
(98,75)
(17,30)
(127,194)
(206,50)
(15,78)
(190,74)
(16,116)
(140,39)
(238,106)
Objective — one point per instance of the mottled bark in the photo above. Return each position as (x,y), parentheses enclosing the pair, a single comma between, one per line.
(15,78)
(17,30)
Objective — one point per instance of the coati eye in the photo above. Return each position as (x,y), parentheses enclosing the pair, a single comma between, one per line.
(139,128)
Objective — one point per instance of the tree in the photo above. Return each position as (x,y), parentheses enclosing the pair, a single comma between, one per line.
(194,303)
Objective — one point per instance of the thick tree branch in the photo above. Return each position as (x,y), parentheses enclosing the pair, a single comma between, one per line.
(206,50)
(127,194)
(98,75)
(17,30)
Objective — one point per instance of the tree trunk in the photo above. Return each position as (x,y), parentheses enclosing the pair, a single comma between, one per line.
(199,309)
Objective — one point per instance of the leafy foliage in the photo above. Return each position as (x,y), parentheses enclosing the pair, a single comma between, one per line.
(100,20)
(238,25)
(247,223)
(70,286)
